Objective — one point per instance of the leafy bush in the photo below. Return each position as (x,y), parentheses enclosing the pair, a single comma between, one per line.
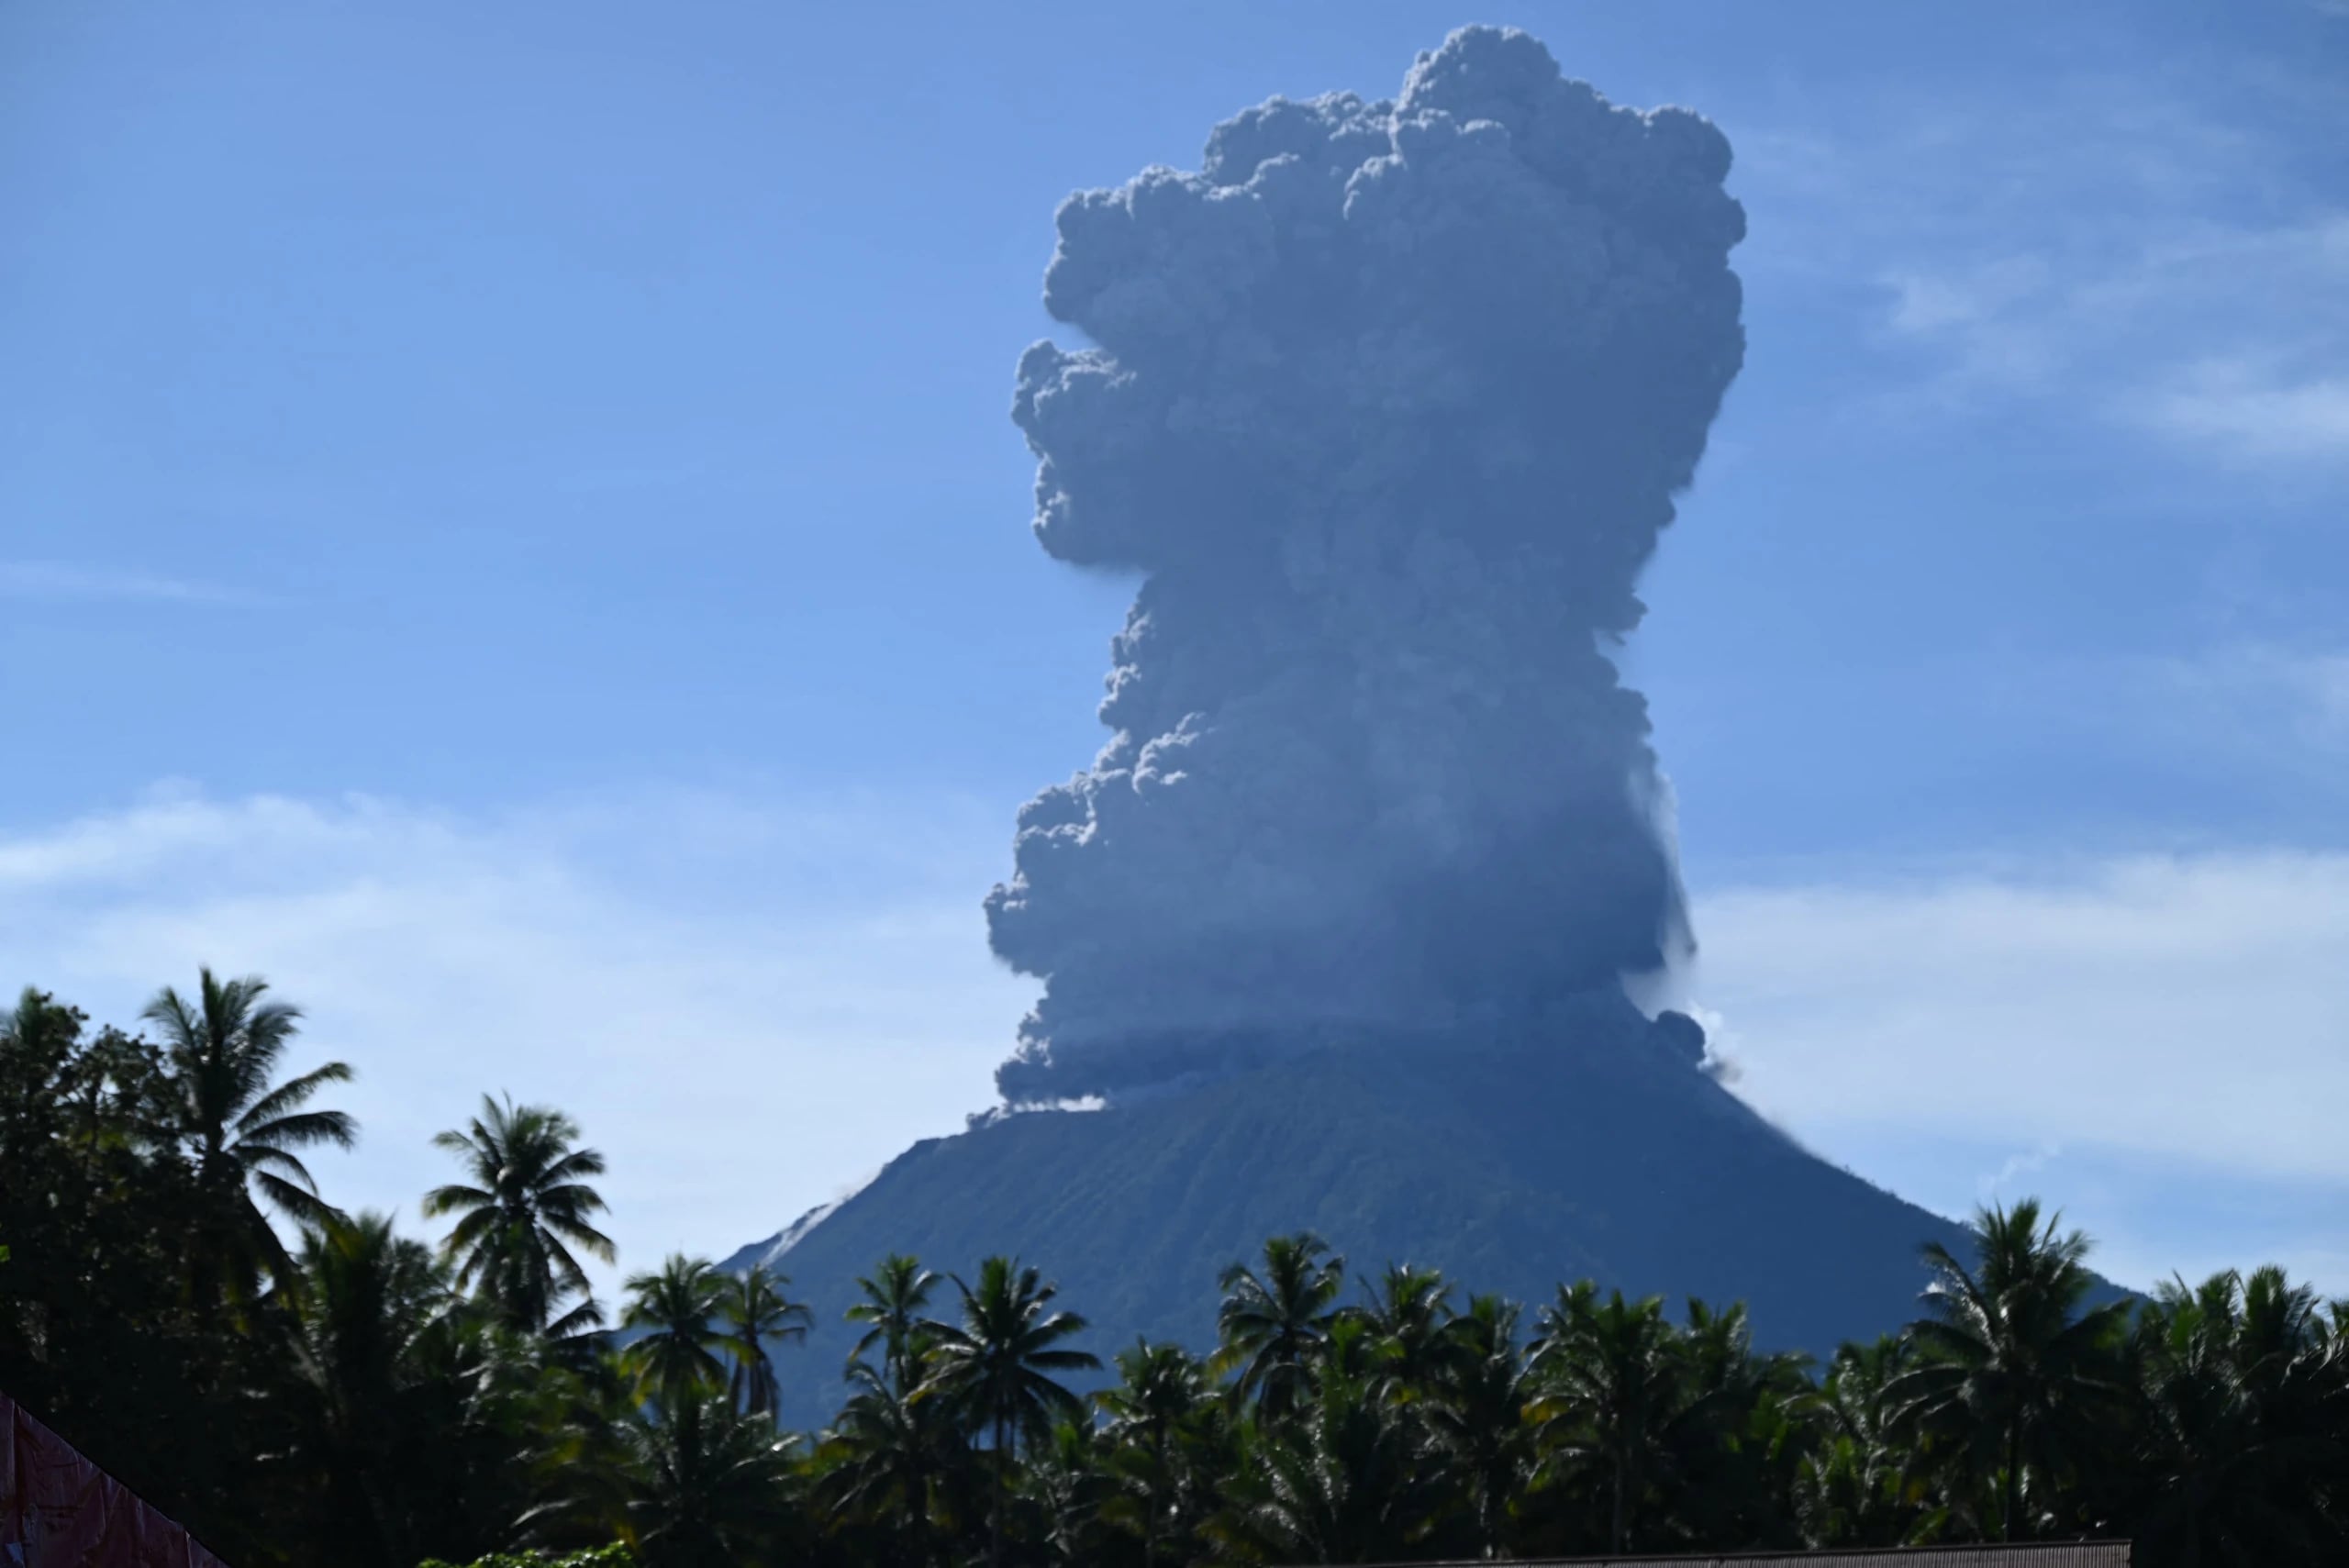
(613,1556)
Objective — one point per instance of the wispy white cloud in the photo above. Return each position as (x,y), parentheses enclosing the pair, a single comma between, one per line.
(58,580)
(2271,707)
(749,1000)
(2231,339)
(1997,1187)
(744,1001)
(2257,410)
(2189,1013)
(2124,247)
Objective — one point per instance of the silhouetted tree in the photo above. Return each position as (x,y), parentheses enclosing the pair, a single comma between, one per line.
(525,1205)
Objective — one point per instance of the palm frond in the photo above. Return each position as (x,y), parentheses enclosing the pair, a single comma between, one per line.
(304,1129)
(291,1094)
(455,1197)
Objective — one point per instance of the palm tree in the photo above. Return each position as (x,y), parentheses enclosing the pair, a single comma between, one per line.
(2008,1369)
(1475,1411)
(222,1051)
(1349,1479)
(1269,1326)
(1066,1494)
(574,1420)
(1410,1319)
(1607,1379)
(1855,1484)
(886,1461)
(994,1366)
(367,1298)
(677,1359)
(524,1209)
(895,1298)
(1728,1439)
(1160,1388)
(755,1310)
(2245,1398)
(711,1484)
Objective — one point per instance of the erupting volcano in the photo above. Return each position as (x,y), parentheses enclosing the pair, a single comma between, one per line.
(1387,403)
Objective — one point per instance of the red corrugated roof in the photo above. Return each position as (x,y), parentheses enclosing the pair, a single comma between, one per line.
(58,1510)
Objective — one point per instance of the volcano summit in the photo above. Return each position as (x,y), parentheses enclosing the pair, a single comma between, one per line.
(1387,403)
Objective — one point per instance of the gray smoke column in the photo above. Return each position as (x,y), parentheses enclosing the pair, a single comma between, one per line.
(1387,403)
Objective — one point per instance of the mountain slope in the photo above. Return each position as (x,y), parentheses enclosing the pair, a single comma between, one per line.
(1511,1167)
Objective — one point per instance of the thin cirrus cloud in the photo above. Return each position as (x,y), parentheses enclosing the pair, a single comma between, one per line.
(2131,246)
(2276,707)
(752,1003)
(2258,410)
(51,580)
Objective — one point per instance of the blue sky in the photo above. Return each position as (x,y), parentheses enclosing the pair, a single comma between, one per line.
(509,526)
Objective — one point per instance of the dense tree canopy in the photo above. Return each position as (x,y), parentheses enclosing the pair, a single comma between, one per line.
(181,1299)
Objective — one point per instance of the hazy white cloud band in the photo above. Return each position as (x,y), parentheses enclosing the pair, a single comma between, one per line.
(664,969)
(2184,1007)
(676,970)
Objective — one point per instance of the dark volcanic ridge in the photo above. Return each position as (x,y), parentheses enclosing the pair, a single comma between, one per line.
(1513,1165)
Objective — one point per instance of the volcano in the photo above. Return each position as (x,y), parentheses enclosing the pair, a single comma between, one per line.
(1387,406)
(1514,1165)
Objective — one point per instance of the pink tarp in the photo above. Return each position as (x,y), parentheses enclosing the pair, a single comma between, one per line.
(58,1510)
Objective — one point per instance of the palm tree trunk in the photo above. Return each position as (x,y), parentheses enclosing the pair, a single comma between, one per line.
(2014,1474)
(994,1514)
(1617,1533)
(387,1529)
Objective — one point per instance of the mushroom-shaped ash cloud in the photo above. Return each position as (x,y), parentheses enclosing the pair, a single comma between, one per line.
(1387,403)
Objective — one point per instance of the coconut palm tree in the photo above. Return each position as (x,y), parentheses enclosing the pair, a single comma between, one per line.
(1410,1317)
(1730,1436)
(2010,1372)
(1607,1383)
(995,1367)
(1269,1326)
(1351,1478)
(525,1208)
(1160,1389)
(241,1128)
(889,1465)
(2245,1400)
(675,1359)
(576,1416)
(1065,1494)
(1475,1412)
(1855,1482)
(756,1311)
(366,1299)
(709,1484)
(896,1296)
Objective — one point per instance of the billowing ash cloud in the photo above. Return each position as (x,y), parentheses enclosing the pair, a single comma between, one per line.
(1389,402)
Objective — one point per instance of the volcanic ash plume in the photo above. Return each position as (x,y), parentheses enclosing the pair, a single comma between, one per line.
(1388,404)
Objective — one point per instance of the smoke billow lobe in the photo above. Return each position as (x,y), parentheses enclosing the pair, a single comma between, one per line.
(1388,403)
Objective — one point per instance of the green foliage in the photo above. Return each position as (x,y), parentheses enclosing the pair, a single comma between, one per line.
(525,1208)
(616,1556)
(319,1387)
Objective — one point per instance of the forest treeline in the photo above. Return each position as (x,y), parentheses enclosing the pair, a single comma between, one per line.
(301,1385)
